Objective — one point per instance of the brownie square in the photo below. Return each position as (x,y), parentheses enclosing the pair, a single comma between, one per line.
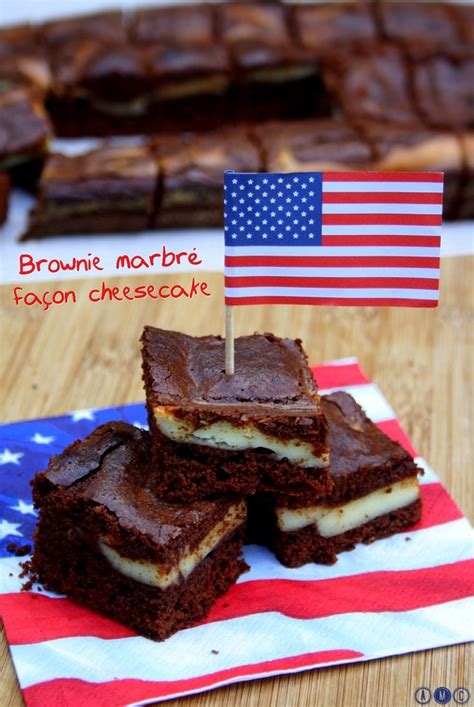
(327,27)
(466,207)
(192,175)
(182,24)
(182,76)
(375,493)
(246,22)
(444,91)
(110,74)
(372,84)
(419,27)
(110,189)
(108,543)
(4,195)
(272,75)
(105,26)
(463,15)
(24,133)
(261,428)
(312,145)
(417,149)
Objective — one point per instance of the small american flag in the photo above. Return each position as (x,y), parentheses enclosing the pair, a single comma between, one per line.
(333,238)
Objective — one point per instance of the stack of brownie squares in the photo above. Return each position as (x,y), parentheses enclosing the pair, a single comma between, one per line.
(148,527)
(318,475)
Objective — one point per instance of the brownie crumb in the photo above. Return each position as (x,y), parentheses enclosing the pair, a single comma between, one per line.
(214,652)
(408,540)
(18,550)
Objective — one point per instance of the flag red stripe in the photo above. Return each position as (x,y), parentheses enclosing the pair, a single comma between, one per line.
(403,590)
(395,431)
(381,219)
(427,177)
(64,691)
(32,618)
(400,241)
(339,301)
(409,283)
(322,261)
(329,376)
(376,197)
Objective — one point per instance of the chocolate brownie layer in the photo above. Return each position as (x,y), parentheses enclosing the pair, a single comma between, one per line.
(375,493)
(104,539)
(263,427)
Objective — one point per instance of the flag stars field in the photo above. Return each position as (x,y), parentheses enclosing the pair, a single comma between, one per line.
(7,528)
(7,457)
(24,508)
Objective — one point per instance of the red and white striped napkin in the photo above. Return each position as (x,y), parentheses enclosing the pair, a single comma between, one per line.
(406,593)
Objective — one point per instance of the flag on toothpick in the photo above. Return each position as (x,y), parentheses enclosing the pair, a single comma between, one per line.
(333,238)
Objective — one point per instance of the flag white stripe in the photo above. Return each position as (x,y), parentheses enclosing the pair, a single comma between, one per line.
(377,229)
(250,639)
(287,271)
(439,545)
(388,187)
(405,208)
(339,251)
(334,292)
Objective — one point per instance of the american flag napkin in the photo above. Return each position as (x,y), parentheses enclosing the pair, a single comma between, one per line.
(333,238)
(385,599)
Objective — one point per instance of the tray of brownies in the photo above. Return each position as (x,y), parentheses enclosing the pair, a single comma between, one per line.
(244,86)
(256,526)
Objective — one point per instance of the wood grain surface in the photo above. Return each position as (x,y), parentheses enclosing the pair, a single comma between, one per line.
(85,355)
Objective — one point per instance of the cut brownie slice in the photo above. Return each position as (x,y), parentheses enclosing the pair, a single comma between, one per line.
(182,24)
(192,174)
(326,27)
(107,542)
(444,91)
(261,428)
(375,494)
(4,195)
(24,134)
(105,190)
(272,75)
(372,83)
(419,27)
(312,145)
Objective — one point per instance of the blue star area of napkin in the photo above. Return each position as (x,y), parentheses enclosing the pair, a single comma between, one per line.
(26,447)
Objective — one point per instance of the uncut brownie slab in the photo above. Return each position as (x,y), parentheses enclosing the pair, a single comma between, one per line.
(109,189)
(261,428)
(107,542)
(375,494)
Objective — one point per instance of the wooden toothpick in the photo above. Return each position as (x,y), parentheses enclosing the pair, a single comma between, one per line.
(229,341)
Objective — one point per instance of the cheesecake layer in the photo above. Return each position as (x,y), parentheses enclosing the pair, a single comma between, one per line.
(330,521)
(162,575)
(224,435)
